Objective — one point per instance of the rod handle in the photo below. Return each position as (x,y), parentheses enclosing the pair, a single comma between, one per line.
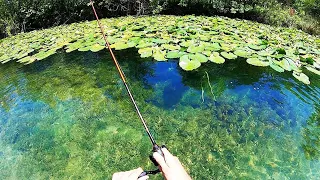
(156,149)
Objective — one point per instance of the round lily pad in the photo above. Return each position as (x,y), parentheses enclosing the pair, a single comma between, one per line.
(216,59)
(242,53)
(301,77)
(145,52)
(96,48)
(228,55)
(187,64)
(257,62)
(198,57)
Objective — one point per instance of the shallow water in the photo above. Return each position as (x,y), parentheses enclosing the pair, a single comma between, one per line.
(69,117)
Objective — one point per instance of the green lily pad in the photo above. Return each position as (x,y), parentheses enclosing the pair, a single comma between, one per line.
(21,55)
(301,77)
(198,57)
(227,47)
(217,59)
(257,62)
(195,49)
(228,55)
(159,55)
(170,47)
(276,67)
(96,48)
(293,65)
(265,53)
(207,53)
(83,49)
(159,41)
(186,43)
(174,54)
(120,45)
(213,47)
(311,69)
(5,58)
(27,60)
(143,44)
(188,65)
(145,52)
(43,54)
(285,65)
(242,53)
(257,47)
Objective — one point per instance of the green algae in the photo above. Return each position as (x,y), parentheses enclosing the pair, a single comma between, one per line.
(69,117)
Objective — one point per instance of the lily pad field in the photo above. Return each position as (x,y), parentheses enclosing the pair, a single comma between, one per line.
(233,99)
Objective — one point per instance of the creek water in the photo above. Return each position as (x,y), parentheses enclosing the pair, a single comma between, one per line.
(69,117)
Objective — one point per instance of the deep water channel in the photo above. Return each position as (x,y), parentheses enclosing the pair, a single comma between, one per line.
(69,117)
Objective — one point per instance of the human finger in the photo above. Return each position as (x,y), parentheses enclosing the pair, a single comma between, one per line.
(166,153)
(160,160)
(135,173)
(116,176)
(169,158)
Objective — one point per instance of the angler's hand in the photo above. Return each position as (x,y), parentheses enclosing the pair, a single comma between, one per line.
(170,166)
(129,175)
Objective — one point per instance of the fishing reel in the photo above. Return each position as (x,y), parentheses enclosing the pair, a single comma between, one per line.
(156,149)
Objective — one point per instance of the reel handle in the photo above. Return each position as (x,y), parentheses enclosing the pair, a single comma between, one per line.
(156,149)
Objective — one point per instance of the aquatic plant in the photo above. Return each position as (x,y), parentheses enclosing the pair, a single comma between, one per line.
(193,39)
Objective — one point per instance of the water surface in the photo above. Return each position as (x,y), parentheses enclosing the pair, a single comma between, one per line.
(69,117)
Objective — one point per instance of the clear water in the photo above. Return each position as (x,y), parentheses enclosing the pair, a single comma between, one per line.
(69,117)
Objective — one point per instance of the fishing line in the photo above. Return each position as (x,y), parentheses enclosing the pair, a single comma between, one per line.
(155,147)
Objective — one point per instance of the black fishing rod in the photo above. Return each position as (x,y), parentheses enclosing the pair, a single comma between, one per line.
(155,147)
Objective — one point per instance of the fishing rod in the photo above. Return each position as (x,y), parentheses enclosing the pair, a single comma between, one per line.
(155,147)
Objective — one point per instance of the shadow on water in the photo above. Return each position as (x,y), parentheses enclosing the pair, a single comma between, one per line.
(70,114)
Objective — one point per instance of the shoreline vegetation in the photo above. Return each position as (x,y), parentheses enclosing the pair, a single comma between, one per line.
(24,16)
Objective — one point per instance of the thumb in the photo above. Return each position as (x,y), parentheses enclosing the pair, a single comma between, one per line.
(160,160)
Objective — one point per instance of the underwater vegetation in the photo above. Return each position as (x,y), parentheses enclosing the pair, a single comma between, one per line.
(194,40)
(69,118)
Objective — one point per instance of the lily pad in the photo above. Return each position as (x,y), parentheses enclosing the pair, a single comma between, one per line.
(257,62)
(285,65)
(242,53)
(217,59)
(195,49)
(170,47)
(301,77)
(96,48)
(27,60)
(187,64)
(174,54)
(257,47)
(83,49)
(143,44)
(314,70)
(43,54)
(145,52)
(120,45)
(159,55)
(159,41)
(228,55)
(199,57)
(276,67)
(213,47)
